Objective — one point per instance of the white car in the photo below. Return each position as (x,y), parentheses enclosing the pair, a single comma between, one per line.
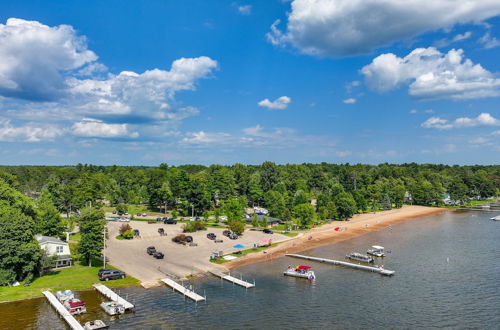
(223,218)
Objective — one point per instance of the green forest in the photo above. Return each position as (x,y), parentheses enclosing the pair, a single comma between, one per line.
(32,198)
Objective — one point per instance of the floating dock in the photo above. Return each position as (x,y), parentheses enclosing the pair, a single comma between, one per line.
(181,289)
(346,264)
(72,322)
(113,296)
(234,280)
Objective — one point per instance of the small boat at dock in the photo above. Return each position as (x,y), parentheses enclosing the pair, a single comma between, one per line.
(300,271)
(95,325)
(359,257)
(376,250)
(73,305)
(112,308)
(497,218)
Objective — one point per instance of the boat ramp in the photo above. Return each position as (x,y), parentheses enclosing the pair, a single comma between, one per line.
(238,281)
(72,322)
(110,294)
(182,289)
(346,264)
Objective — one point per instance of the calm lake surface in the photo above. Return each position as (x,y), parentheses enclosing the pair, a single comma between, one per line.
(447,277)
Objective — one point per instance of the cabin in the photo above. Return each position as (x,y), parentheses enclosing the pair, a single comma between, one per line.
(55,247)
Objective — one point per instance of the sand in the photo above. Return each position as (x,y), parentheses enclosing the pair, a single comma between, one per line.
(358,225)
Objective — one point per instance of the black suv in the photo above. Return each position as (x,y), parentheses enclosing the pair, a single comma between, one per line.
(267,231)
(151,250)
(110,274)
(158,255)
(211,236)
(169,221)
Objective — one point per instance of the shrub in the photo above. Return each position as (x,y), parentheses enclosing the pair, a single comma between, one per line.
(129,234)
(191,227)
(237,227)
(125,227)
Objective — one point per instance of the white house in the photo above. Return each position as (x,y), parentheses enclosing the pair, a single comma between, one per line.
(55,247)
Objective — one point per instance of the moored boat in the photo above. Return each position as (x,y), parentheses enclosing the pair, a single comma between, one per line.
(497,218)
(376,250)
(112,308)
(300,271)
(75,306)
(95,325)
(359,257)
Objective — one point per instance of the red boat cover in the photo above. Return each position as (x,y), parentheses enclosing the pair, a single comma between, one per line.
(76,303)
(303,267)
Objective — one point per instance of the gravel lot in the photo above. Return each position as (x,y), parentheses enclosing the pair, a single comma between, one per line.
(180,260)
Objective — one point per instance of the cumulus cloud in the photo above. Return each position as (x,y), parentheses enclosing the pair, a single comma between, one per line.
(351,27)
(350,101)
(27,133)
(98,129)
(280,103)
(40,63)
(34,56)
(457,38)
(201,137)
(484,119)
(432,75)
(146,94)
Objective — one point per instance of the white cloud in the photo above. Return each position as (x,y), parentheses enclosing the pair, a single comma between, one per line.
(436,122)
(484,119)
(245,9)
(27,133)
(202,137)
(98,129)
(457,38)
(413,111)
(351,27)
(432,75)
(34,56)
(488,41)
(350,101)
(280,103)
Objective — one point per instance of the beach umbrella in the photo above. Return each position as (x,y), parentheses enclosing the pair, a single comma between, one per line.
(238,246)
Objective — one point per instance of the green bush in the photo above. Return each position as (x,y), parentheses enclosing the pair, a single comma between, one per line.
(129,234)
(191,227)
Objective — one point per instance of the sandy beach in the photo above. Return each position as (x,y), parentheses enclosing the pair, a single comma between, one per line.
(327,234)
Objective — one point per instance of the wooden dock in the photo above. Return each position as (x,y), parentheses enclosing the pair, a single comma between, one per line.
(183,290)
(234,280)
(72,322)
(113,295)
(346,264)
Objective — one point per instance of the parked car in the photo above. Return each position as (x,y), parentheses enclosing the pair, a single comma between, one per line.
(158,255)
(169,221)
(191,219)
(267,231)
(151,250)
(110,274)
(159,219)
(226,232)
(138,215)
(144,214)
(197,219)
(189,239)
(233,236)
(211,236)
(223,218)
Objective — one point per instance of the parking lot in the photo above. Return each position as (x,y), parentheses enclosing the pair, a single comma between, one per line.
(180,260)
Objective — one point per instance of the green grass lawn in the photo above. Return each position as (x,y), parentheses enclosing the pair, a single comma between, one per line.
(76,278)
(243,253)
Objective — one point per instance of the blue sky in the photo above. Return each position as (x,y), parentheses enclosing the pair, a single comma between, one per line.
(212,81)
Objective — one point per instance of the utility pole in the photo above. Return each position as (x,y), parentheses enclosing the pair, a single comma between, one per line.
(192,210)
(104,247)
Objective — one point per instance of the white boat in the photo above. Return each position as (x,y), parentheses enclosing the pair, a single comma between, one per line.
(73,305)
(95,325)
(359,257)
(497,218)
(112,308)
(300,271)
(376,250)
(62,296)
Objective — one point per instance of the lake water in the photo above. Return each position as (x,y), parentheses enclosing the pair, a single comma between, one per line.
(447,277)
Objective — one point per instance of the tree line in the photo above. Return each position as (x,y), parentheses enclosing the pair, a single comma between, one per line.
(32,197)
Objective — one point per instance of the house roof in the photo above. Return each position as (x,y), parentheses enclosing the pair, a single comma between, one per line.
(47,239)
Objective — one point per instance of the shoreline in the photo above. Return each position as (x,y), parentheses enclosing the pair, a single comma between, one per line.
(358,225)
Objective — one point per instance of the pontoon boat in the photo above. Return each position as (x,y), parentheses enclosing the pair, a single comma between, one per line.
(376,250)
(112,308)
(359,257)
(300,271)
